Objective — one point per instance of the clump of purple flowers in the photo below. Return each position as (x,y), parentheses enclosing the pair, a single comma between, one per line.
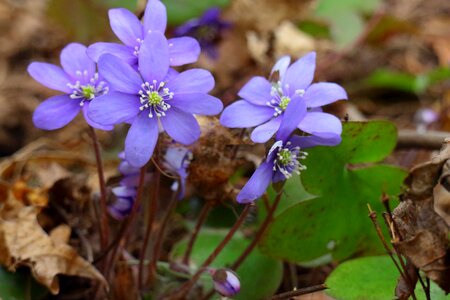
(79,82)
(207,29)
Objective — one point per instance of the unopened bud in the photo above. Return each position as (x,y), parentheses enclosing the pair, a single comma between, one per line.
(226,282)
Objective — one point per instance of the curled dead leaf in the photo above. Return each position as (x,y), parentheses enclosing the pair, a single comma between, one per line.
(24,242)
(422,219)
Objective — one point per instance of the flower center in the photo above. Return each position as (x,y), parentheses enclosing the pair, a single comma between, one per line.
(87,92)
(154,97)
(287,159)
(279,101)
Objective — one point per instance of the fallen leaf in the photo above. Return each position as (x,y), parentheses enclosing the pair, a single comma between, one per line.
(24,242)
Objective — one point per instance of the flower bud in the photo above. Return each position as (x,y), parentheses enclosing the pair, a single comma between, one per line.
(226,282)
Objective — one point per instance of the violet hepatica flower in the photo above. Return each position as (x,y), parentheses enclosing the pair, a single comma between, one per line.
(264,103)
(207,30)
(122,206)
(284,157)
(79,82)
(226,282)
(177,160)
(156,95)
(132,32)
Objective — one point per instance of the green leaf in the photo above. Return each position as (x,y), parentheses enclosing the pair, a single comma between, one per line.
(260,276)
(19,286)
(370,278)
(335,226)
(180,11)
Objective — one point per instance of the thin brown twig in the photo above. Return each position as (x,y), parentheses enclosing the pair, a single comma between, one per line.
(184,289)
(299,292)
(104,227)
(431,139)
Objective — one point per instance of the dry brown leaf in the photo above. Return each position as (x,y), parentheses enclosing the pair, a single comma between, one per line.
(24,242)
(422,219)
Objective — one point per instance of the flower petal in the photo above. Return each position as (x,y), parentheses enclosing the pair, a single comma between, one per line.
(121,76)
(183,50)
(50,76)
(155,16)
(323,93)
(281,66)
(300,74)
(319,122)
(123,52)
(197,103)
(242,114)
(114,108)
(126,26)
(256,91)
(292,116)
(264,132)
(91,122)
(56,112)
(326,139)
(192,81)
(257,184)
(141,140)
(154,57)
(75,62)
(181,126)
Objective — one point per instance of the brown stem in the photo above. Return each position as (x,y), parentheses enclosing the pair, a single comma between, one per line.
(430,139)
(200,221)
(104,227)
(184,289)
(150,220)
(259,233)
(160,237)
(299,292)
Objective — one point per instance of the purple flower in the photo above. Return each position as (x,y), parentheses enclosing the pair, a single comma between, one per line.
(125,197)
(177,160)
(156,96)
(132,32)
(226,282)
(207,30)
(79,82)
(265,103)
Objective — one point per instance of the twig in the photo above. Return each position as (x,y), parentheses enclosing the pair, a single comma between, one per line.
(408,138)
(104,228)
(299,292)
(200,221)
(184,289)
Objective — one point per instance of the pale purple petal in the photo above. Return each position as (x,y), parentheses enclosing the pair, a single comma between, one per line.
(56,112)
(154,57)
(126,26)
(183,50)
(114,108)
(141,140)
(281,66)
(257,184)
(326,139)
(50,76)
(91,122)
(300,74)
(256,91)
(323,93)
(192,81)
(181,126)
(75,62)
(264,132)
(123,52)
(242,114)
(319,122)
(293,115)
(155,16)
(121,76)
(197,103)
